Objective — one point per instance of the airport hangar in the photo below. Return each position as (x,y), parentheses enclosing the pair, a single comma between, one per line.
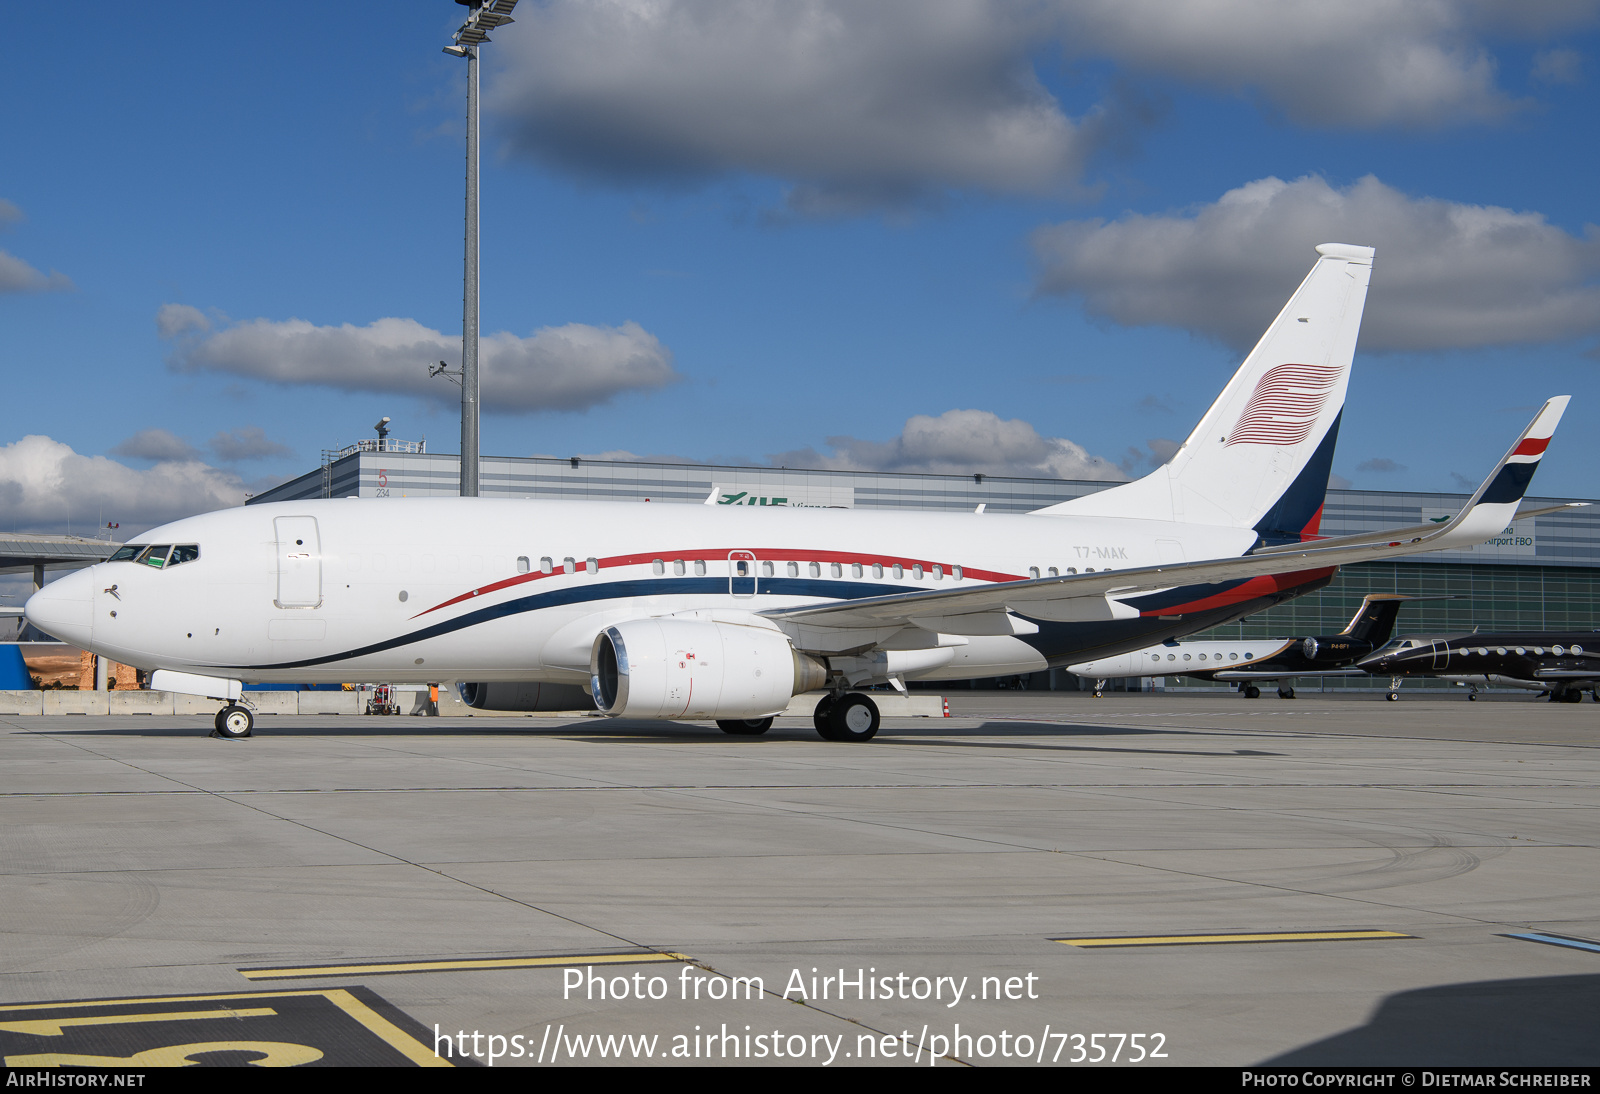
(1542,573)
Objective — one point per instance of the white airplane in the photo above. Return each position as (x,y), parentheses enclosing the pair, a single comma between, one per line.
(1248,662)
(708,612)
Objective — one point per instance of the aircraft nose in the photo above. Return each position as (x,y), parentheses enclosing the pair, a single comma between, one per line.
(64,609)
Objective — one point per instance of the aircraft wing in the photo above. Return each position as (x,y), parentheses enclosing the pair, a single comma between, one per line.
(991,609)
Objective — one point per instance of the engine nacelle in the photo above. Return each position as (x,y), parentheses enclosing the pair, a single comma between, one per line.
(686,668)
(525,696)
(1335,649)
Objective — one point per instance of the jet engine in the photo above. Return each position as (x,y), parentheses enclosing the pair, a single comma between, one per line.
(525,696)
(687,668)
(1337,648)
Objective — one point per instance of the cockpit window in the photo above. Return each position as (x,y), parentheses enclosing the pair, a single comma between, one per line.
(183,552)
(155,556)
(127,553)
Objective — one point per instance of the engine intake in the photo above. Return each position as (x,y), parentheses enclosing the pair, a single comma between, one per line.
(692,669)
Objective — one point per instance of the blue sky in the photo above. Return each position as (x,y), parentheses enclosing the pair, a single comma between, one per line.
(804,232)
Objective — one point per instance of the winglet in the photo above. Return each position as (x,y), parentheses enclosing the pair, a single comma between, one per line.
(1495,504)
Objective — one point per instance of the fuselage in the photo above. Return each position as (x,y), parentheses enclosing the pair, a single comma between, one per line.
(438,589)
(1556,659)
(1201,659)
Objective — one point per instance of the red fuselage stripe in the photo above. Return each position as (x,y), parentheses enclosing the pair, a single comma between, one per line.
(769,554)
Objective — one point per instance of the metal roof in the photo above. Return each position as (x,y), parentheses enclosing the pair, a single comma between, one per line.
(20,552)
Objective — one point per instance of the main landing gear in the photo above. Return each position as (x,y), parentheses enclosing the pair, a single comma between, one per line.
(744,727)
(1286,693)
(234,722)
(848,717)
(1252,692)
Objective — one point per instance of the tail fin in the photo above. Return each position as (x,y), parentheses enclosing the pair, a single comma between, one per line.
(1374,620)
(1261,455)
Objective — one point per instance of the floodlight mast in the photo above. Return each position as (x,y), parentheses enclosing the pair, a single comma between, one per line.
(485,16)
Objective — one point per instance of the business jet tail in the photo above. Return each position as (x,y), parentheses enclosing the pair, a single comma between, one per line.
(1261,455)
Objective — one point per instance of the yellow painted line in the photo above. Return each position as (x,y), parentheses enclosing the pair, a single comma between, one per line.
(390,1033)
(1210,939)
(54,1027)
(397,1038)
(456,966)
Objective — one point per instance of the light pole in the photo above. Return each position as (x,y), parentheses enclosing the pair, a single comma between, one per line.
(485,16)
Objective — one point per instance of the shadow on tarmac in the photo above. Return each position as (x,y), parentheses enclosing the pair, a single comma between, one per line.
(1547,1020)
(934,733)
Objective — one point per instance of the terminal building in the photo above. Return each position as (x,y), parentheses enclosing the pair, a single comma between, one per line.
(1541,573)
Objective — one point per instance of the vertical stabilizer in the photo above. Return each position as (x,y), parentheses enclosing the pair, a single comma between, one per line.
(1260,456)
(1374,621)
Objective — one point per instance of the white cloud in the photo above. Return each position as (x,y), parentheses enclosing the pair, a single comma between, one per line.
(1357,63)
(1381,464)
(1446,274)
(248,442)
(879,104)
(44,485)
(17,276)
(572,367)
(857,104)
(175,319)
(156,444)
(959,442)
(1557,66)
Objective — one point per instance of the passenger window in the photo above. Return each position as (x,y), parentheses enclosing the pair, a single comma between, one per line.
(837,569)
(899,571)
(658,567)
(815,569)
(955,572)
(677,567)
(1053,572)
(855,569)
(569,565)
(523,565)
(766,569)
(938,572)
(155,556)
(700,567)
(794,569)
(592,565)
(546,566)
(185,552)
(877,569)
(916,571)
(1033,571)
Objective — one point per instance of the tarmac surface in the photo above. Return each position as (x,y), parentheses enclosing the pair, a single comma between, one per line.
(310,895)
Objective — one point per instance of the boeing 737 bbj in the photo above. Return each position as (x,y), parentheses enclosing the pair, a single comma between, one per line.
(708,612)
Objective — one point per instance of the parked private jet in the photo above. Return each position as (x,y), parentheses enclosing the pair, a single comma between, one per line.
(1247,663)
(1563,664)
(723,612)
